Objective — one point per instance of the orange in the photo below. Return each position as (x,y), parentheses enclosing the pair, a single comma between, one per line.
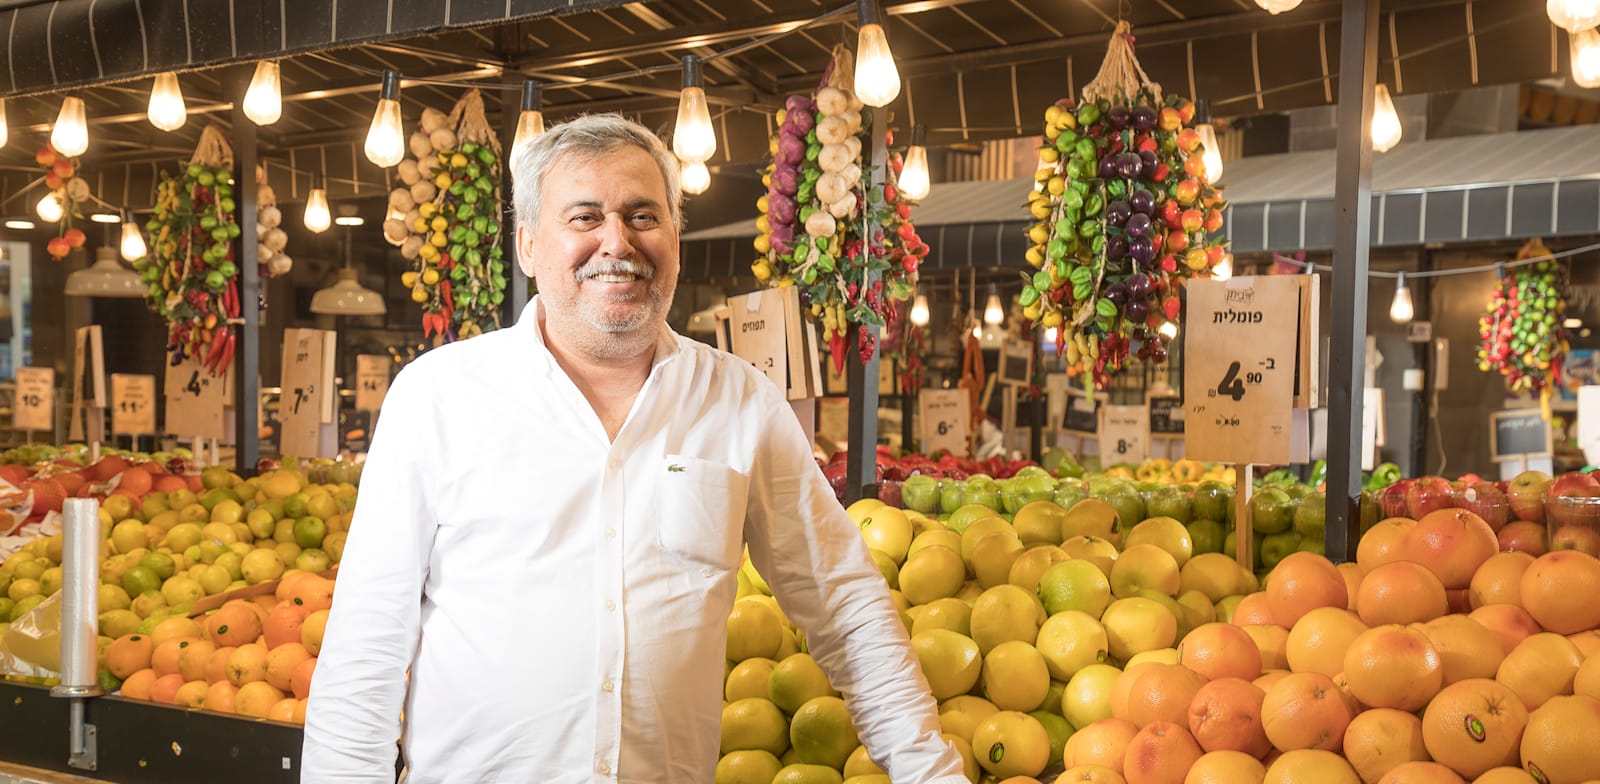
(309,591)
(165,689)
(1162,753)
(135,481)
(247,664)
(1559,590)
(1311,766)
(1588,642)
(1318,642)
(1103,743)
(164,660)
(219,697)
(1587,679)
(1270,677)
(1499,580)
(137,686)
(1400,592)
(1353,575)
(1506,775)
(1451,543)
(191,695)
(1559,744)
(1271,642)
(1303,582)
(1509,623)
(1226,767)
(1252,609)
(194,657)
(300,682)
(1305,710)
(1162,692)
(128,654)
(1381,738)
(283,624)
(1122,689)
(1540,667)
(1383,542)
(1466,649)
(1091,774)
(282,662)
(1220,650)
(1225,715)
(282,710)
(217,665)
(1420,773)
(1474,725)
(256,698)
(232,625)
(1393,667)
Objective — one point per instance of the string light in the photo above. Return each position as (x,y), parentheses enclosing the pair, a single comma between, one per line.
(530,124)
(919,310)
(1386,130)
(70,136)
(5,132)
(913,181)
(1585,46)
(877,78)
(1224,267)
(696,178)
(693,138)
(1276,7)
(1573,15)
(993,312)
(1168,330)
(1210,152)
(386,144)
(133,247)
(1401,310)
(167,111)
(318,219)
(263,102)
(49,208)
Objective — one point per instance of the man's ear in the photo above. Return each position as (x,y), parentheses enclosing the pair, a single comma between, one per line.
(524,249)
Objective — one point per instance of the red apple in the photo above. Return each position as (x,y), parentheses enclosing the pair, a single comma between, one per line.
(1394,498)
(62,168)
(46,156)
(1429,494)
(1486,500)
(1527,495)
(1192,219)
(1580,537)
(1523,537)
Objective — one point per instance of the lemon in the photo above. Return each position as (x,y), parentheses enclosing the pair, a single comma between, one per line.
(960,715)
(1070,641)
(126,536)
(1010,743)
(261,565)
(23,588)
(114,597)
(182,589)
(1015,677)
(753,724)
(950,662)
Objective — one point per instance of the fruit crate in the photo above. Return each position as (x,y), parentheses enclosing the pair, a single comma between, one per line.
(139,742)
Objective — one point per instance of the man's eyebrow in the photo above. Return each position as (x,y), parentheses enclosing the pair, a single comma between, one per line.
(632,204)
(643,202)
(590,203)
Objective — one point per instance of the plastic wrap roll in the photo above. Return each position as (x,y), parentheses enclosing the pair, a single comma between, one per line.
(80,592)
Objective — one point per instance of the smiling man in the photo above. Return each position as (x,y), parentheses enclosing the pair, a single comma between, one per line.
(553,516)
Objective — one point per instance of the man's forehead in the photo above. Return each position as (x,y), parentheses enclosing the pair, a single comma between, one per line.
(651,187)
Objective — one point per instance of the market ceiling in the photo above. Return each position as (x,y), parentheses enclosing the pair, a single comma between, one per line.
(972,69)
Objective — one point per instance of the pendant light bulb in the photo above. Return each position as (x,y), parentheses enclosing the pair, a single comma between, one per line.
(49,208)
(693,138)
(913,181)
(1585,46)
(1224,268)
(1386,130)
(530,124)
(133,247)
(919,310)
(1401,310)
(977,331)
(1168,330)
(318,219)
(167,111)
(1573,15)
(5,133)
(263,102)
(1211,154)
(1276,7)
(877,78)
(386,143)
(695,177)
(70,136)
(993,312)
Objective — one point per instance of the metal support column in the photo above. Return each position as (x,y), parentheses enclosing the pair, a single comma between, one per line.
(247,384)
(1421,357)
(861,480)
(1352,200)
(511,111)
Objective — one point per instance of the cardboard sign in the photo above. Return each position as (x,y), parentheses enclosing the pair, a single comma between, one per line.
(1016,363)
(1518,434)
(833,418)
(765,328)
(194,401)
(372,380)
(307,406)
(1055,398)
(1166,416)
(1245,367)
(837,384)
(1371,426)
(88,397)
(1589,422)
(1124,434)
(133,409)
(944,418)
(35,406)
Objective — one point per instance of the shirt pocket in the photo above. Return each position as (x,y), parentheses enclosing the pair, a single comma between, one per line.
(702,511)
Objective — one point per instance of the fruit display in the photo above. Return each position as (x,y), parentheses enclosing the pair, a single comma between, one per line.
(1065,642)
(819,196)
(69,190)
(1123,216)
(445,218)
(1522,337)
(190,271)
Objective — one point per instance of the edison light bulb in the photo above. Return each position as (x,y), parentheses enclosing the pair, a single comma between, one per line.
(695,176)
(692,136)
(530,125)
(317,217)
(70,136)
(919,310)
(263,102)
(993,313)
(1386,129)
(913,180)
(1168,330)
(49,208)
(1278,6)
(1224,268)
(386,145)
(1211,154)
(167,111)
(1573,15)
(1401,309)
(1585,61)
(877,79)
(133,247)
(5,132)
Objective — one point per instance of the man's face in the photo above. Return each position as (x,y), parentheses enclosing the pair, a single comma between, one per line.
(605,252)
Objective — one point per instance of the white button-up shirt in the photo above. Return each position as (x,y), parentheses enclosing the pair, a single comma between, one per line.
(561,600)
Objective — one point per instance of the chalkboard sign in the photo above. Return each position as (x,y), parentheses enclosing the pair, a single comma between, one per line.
(1518,434)
(1016,363)
(1080,415)
(1166,416)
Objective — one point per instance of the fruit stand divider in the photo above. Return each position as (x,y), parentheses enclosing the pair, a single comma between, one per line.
(247,384)
(861,378)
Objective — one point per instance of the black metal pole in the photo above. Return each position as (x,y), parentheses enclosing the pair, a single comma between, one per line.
(1352,200)
(511,111)
(862,377)
(247,384)
(908,412)
(1035,405)
(1422,296)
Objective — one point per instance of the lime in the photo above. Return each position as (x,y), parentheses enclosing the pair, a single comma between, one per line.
(308,531)
(139,579)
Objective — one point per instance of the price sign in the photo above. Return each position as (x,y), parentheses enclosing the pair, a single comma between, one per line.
(944,419)
(372,380)
(1166,416)
(1080,415)
(833,418)
(306,407)
(194,400)
(133,404)
(766,330)
(1124,434)
(1241,350)
(88,397)
(1518,434)
(35,407)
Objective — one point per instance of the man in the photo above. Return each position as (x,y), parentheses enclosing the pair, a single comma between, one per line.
(552,519)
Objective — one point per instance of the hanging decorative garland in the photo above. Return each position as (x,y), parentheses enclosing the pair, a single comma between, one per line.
(444,217)
(819,199)
(190,268)
(1124,217)
(271,239)
(70,190)
(1522,337)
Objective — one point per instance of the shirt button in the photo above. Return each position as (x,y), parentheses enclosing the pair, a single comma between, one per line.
(610,605)
(608,686)
(611,533)
(614,464)
(605,770)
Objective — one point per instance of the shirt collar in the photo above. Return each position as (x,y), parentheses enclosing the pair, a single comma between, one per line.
(533,333)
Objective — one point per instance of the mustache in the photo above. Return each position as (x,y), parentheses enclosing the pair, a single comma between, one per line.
(617,267)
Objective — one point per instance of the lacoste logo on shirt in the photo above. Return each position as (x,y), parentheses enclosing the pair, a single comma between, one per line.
(675,468)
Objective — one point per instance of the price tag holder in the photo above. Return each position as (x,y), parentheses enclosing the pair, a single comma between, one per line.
(1016,363)
(944,420)
(194,401)
(1242,345)
(1166,416)
(306,408)
(372,380)
(1519,434)
(1124,434)
(1081,415)
(35,408)
(133,409)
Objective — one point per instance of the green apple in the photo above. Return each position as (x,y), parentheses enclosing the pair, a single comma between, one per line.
(1213,500)
(1310,516)
(952,495)
(1069,492)
(1207,536)
(920,493)
(1271,511)
(1128,503)
(1171,501)
(1276,547)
